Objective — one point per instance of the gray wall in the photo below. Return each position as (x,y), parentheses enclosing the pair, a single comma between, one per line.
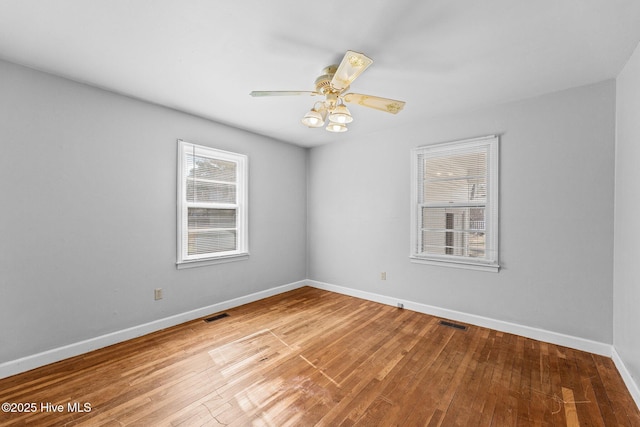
(88,218)
(88,228)
(556,214)
(626,290)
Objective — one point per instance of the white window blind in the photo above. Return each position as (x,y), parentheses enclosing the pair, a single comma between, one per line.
(455,203)
(212,203)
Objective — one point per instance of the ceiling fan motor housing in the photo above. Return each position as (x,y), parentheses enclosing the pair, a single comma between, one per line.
(323,82)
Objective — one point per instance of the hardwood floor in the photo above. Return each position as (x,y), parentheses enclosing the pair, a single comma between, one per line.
(310,357)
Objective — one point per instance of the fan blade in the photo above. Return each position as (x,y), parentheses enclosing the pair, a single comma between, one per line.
(352,65)
(383,104)
(282,93)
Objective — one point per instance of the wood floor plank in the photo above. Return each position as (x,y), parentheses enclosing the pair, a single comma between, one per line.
(464,410)
(315,358)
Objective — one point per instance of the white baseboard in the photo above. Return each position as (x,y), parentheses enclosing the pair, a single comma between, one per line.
(577,343)
(633,387)
(27,363)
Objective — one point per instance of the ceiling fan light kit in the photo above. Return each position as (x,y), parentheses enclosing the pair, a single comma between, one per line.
(334,81)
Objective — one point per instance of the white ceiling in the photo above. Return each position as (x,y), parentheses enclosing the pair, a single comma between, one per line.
(204,57)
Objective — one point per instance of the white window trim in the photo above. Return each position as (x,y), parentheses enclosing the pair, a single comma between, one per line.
(242,251)
(492,143)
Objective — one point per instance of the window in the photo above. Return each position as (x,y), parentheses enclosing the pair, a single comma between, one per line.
(454,208)
(212,205)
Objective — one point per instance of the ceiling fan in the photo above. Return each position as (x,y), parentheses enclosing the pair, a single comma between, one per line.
(332,84)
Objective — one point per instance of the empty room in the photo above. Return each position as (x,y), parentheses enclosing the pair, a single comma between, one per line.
(371,213)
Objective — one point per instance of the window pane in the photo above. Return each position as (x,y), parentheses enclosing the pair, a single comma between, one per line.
(477,219)
(476,245)
(454,177)
(453,231)
(210,169)
(203,191)
(202,218)
(203,242)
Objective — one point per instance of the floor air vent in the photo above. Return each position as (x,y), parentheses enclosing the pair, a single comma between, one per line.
(453,325)
(216,317)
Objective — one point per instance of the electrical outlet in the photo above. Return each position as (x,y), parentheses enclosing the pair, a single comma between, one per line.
(157,294)
(383,275)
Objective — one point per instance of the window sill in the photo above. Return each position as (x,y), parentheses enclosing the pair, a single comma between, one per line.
(494,268)
(212,261)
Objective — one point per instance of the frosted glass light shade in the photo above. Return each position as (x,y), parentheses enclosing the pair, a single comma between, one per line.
(336,127)
(341,114)
(313,119)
